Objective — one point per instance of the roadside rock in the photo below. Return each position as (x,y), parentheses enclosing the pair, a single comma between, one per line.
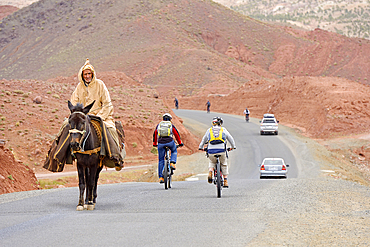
(14,176)
(37,100)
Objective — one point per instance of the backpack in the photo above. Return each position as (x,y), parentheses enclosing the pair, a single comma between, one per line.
(165,129)
(216,139)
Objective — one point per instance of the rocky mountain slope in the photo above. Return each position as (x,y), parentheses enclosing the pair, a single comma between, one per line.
(186,44)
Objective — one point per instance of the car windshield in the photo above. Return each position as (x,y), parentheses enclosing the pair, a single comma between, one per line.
(273,162)
(268,121)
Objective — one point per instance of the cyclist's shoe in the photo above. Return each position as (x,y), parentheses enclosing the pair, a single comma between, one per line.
(226,185)
(161,180)
(173,165)
(210,177)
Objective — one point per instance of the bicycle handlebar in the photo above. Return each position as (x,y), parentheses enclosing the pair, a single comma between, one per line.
(206,149)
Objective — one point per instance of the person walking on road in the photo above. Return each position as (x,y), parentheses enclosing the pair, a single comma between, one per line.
(208,104)
(246,113)
(176,103)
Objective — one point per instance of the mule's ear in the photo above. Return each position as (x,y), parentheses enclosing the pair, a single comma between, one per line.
(87,108)
(70,106)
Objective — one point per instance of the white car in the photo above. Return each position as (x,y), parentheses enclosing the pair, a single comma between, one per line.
(269,124)
(273,167)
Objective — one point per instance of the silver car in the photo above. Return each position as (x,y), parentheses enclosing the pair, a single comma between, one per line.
(273,167)
(269,124)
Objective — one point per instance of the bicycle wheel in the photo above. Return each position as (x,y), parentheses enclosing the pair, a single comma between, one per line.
(218,166)
(169,177)
(165,173)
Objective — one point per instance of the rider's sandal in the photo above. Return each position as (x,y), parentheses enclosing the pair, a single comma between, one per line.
(226,184)
(210,177)
(173,165)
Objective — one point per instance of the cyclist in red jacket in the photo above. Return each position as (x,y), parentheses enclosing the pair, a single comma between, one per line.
(163,137)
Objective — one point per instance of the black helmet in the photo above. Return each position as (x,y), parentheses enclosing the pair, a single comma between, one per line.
(217,121)
(167,117)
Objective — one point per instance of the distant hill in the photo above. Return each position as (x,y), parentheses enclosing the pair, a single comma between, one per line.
(7,10)
(349,18)
(17,3)
(177,47)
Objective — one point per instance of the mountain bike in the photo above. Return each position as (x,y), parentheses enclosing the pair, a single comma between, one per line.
(217,176)
(167,170)
(217,173)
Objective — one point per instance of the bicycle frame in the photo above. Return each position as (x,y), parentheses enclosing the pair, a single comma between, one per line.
(218,177)
(217,174)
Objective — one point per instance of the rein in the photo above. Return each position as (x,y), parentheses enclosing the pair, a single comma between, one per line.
(106,104)
(89,152)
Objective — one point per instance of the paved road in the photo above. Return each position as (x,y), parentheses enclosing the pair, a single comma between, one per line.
(189,214)
(252,148)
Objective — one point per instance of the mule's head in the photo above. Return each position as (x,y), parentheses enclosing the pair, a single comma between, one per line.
(78,121)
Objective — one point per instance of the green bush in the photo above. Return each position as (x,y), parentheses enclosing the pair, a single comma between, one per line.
(154,150)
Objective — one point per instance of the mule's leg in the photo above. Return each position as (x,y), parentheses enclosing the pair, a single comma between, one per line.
(96,183)
(87,189)
(90,180)
(81,185)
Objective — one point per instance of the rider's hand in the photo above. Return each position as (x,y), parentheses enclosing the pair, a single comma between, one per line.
(182,144)
(155,145)
(201,149)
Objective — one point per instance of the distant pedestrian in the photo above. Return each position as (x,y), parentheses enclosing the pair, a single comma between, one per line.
(246,113)
(176,103)
(208,104)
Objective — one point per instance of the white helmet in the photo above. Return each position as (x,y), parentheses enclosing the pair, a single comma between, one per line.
(217,121)
(167,117)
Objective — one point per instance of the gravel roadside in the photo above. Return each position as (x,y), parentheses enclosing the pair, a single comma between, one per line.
(327,205)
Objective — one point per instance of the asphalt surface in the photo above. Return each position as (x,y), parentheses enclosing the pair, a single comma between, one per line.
(302,210)
(252,147)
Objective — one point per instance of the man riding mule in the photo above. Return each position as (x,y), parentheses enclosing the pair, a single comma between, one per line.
(92,140)
(90,90)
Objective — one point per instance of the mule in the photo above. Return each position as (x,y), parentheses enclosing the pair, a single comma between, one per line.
(85,148)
